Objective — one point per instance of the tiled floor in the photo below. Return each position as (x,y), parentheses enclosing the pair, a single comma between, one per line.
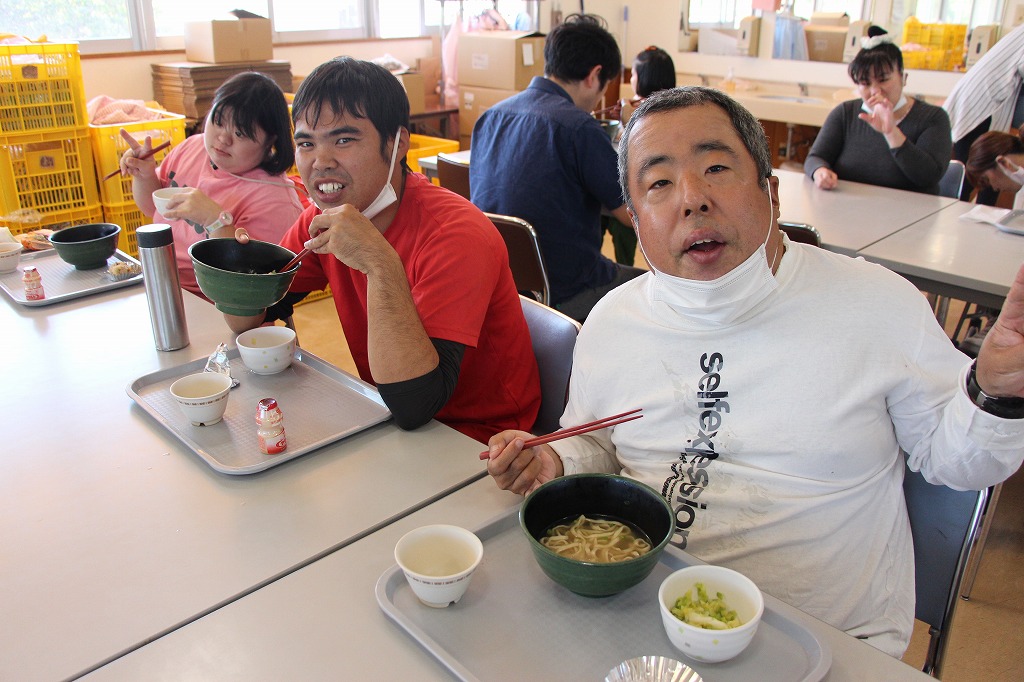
(987,639)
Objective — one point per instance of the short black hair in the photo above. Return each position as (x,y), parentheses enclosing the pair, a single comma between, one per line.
(252,101)
(654,71)
(577,45)
(356,87)
(746,125)
(877,61)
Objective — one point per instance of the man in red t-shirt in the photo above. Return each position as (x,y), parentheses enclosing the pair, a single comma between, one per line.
(420,276)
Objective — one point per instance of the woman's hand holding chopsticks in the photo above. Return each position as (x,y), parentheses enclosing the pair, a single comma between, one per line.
(520,469)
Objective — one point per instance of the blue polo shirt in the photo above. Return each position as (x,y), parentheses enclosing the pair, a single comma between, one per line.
(538,157)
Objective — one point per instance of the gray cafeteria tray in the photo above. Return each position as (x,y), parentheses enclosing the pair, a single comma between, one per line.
(516,623)
(61,282)
(321,404)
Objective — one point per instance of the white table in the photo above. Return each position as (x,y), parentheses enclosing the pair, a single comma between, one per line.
(961,259)
(428,164)
(113,533)
(323,622)
(852,216)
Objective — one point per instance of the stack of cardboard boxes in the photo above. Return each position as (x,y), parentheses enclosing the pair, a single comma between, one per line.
(216,50)
(492,66)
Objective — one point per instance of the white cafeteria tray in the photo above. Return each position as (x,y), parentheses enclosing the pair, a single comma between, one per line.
(515,623)
(321,404)
(61,281)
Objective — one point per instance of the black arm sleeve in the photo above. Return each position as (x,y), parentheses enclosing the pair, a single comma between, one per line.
(414,402)
(284,308)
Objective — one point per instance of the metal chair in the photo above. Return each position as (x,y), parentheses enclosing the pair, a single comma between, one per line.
(944,524)
(554,337)
(952,182)
(801,232)
(524,257)
(453,174)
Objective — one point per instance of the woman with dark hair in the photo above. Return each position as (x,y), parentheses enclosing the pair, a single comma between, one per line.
(883,138)
(234,172)
(653,70)
(996,161)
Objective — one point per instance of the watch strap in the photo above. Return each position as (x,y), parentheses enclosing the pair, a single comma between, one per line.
(1006,408)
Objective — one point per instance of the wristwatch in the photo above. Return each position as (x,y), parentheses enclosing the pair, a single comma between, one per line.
(224,219)
(1007,408)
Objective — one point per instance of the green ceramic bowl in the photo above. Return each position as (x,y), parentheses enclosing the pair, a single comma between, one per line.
(86,246)
(608,495)
(240,278)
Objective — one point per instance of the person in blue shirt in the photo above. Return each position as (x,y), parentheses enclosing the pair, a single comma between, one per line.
(541,156)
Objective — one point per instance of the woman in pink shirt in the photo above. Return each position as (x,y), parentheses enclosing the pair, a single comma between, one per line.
(235,172)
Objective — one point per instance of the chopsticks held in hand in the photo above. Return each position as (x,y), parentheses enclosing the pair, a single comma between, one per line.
(578,430)
(151,152)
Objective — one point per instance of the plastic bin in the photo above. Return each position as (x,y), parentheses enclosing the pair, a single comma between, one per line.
(130,218)
(26,221)
(108,146)
(47,172)
(41,88)
(423,145)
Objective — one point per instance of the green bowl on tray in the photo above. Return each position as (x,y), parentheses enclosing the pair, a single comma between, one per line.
(242,279)
(596,495)
(86,246)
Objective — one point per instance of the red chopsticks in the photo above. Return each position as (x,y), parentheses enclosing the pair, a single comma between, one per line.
(578,430)
(151,152)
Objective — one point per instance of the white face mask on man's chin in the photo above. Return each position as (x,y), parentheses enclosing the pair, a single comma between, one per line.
(387,194)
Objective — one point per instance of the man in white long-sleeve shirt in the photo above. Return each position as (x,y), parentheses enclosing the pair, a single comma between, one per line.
(779,382)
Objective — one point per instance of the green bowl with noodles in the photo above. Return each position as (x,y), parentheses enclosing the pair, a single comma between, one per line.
(604,553)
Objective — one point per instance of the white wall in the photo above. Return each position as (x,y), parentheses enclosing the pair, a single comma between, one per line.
(130,77)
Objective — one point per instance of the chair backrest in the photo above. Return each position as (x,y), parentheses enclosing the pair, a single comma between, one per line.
(453,175)
(524,255)
(952,182)
(944,524)
(554,337)
(801,232)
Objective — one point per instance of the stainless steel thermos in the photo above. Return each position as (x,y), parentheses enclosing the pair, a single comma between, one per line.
(160,273)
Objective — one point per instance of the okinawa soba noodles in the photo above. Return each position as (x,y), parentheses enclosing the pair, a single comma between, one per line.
(597,540)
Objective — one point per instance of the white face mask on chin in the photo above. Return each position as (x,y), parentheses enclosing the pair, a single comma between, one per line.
(724,300)
(387,194)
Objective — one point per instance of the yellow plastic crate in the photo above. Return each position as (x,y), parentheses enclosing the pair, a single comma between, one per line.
(41,88)
(130,218)
(108,146)
(26,221)
(424,145)
(47,172)
(316,296)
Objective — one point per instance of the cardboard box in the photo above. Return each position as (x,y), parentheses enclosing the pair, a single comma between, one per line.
(414,90)
(232,40)
(475,101)
(501,60)
(825,43)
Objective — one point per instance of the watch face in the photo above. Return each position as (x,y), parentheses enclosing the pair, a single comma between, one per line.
(226,218)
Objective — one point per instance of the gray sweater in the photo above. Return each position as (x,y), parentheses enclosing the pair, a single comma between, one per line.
(857,152)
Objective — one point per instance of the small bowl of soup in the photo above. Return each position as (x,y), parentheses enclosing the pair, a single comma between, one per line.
(596,534)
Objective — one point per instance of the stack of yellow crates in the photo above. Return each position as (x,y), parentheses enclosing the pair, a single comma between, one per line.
(47,175)
(116,193)
(942,45)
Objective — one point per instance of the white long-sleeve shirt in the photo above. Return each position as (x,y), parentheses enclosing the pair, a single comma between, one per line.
(777,439)
(989,88)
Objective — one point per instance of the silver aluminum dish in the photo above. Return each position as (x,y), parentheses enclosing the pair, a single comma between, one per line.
(61,281)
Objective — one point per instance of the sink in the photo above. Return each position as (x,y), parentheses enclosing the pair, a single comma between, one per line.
(795,99)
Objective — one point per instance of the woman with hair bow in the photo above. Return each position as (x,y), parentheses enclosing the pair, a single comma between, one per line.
(883,138)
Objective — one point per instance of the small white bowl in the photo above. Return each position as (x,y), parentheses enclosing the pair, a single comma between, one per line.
(203,397)
(266,350)
(740,593)
(163,195)
(10,255)
(439,561)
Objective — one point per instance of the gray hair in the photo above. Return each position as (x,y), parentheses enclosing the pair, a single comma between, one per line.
(744,123)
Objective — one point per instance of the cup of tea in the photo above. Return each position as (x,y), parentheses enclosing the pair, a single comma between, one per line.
(203,397)
(439,561)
